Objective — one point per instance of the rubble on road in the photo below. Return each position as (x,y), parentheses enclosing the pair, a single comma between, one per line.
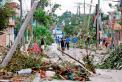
(50,67)
(50,71)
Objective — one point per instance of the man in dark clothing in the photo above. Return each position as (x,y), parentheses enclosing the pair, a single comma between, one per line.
(42,43)
(88,41)
(62,44)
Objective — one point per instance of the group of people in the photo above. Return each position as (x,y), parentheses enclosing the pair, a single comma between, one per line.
(65,42)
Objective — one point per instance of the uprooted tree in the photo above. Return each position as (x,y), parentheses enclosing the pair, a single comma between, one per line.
(114,61)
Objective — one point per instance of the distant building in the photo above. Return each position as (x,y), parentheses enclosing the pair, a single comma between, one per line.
(116,27)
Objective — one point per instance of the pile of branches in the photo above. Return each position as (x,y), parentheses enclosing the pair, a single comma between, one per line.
(3,52)
(114,61)
(65,71)
(21,61)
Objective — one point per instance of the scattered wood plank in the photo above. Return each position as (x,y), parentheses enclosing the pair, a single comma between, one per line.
(62,77)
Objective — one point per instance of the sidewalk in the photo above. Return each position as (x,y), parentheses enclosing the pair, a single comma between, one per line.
(103,75)
(107,75)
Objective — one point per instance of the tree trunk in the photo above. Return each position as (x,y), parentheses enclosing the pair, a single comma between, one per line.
(19,36)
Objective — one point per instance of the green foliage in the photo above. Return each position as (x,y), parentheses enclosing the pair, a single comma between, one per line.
(5,13)
(89,63)
(20,61)
(42,18)
(69,29)
(40,31)
(43,3)
(71,24)
(104,17)
(114,61)
(52,13)
(56,77)
(65,17)
(55,6)
(120,22)
(43,23)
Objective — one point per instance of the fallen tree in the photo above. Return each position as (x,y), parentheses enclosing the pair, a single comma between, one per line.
(114,61)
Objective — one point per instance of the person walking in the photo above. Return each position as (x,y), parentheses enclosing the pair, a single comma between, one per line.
(62,44)
(75,40)
(88,42)
(58,41)
(42,44)
(67,42)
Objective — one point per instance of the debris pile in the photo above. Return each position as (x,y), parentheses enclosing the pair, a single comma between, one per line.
(20,61)
(5,75)
(45,68)
(114,61)
(63,72)
(3,52)
(88,60)
(50,71)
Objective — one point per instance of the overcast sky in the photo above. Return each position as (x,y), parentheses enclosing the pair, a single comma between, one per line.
(70,5)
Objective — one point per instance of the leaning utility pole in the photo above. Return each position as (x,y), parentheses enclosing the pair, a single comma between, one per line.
(19,36)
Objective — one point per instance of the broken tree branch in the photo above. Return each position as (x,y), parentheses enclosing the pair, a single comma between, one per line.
(81,64)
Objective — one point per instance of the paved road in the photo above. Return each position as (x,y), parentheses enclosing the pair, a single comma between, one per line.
(105,76)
